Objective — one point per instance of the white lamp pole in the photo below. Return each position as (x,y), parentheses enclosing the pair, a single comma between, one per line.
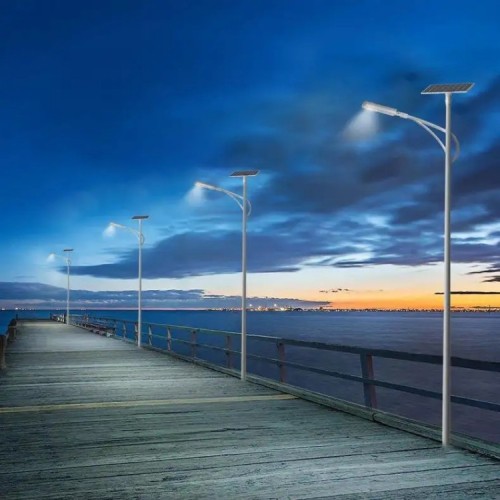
(66,251)
(245,206)
(447,90)
(244,282)
(140,237)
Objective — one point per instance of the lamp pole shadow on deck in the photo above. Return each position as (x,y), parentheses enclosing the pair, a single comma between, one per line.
(447,90)
(246,208)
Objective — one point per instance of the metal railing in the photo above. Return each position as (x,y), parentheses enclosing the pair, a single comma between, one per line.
(188,342)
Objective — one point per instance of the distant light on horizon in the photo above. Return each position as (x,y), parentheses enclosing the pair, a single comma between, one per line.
(363,125)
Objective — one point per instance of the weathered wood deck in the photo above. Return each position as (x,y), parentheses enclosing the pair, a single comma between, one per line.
(84,416)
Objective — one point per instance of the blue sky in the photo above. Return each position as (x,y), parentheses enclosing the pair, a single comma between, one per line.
(115,108)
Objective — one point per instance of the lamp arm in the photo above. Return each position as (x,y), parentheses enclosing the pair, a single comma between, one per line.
(236,197)
(249,205)
(131,230)
(140,237)
(239,200)
(428,126)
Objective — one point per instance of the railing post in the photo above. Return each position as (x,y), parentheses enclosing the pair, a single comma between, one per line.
(193,344)
(136,331)
(229,348)
(124,330)
(367,373)
(281,357)
(150,335)
(169,339)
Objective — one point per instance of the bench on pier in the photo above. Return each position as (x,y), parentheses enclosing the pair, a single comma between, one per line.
(108,331)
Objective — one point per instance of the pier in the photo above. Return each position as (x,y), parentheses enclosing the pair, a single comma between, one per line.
(89,416)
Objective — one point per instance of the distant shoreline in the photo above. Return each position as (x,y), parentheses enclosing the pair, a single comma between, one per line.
(485,310)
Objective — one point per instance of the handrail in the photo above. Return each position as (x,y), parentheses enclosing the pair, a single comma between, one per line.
(366,355)
(180,327)
(436,359)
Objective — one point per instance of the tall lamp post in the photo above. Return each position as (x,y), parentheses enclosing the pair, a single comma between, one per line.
(66,251)
(447,90)
(140,237)
(246,208)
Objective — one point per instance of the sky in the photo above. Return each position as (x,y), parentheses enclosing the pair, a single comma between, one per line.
(110,109)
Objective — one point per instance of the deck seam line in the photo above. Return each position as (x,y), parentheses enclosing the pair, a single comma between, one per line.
(177,471)
(287,460)
(154,402)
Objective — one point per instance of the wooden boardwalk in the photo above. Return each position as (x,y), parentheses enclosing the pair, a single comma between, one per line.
(84,416)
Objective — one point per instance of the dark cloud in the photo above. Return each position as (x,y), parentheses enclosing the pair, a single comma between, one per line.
(293,244)
(414,212)
(493,279)
(475,252)
(13,294)
(47,293)
(217,252)
(492,269)
(470,112)
(482,174)
(385,170)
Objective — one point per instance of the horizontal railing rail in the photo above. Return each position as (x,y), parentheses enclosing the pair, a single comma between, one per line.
(156,335)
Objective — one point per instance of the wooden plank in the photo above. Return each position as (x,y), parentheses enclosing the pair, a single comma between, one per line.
(209,468)
(254,481)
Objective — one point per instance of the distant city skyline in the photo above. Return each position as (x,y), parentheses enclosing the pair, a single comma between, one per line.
(112,109)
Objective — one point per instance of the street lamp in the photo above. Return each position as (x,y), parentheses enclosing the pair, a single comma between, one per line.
(447,90)
(140,237)
(66,251)
(246,208)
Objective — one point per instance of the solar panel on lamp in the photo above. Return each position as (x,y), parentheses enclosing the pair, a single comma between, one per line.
(444,88)
(244,173)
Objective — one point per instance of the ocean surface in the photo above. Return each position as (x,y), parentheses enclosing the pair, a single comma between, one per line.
(474,336)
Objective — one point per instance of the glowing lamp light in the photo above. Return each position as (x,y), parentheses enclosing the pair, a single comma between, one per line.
(195,194)
(110,231)
(362,126)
